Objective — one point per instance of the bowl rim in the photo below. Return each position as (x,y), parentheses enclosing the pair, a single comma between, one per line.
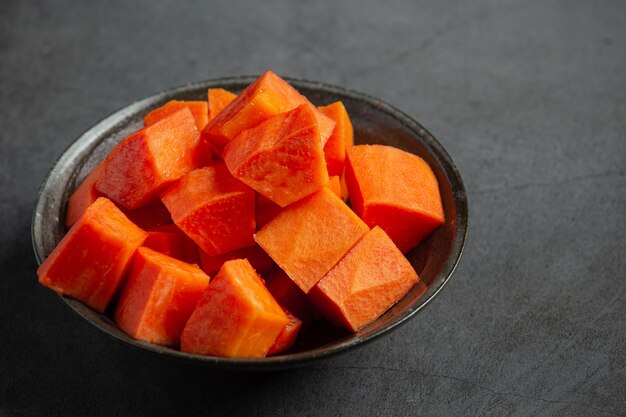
(85,143)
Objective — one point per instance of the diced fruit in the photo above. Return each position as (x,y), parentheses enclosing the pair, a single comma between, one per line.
(236,315)
(371,278)
(199,110)
(171,241)
(150,215)
(218,100)
(287,337)
(309,237)
(257,257)
(265,210)
(91,259)
(395,190)
(280,158)
(290,296)
(158,297)
(84,195)
(334,183)
(267,96)
(213,208)
(342,137)
(148,160)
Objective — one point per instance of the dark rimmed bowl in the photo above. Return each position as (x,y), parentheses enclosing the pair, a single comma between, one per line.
(374,122)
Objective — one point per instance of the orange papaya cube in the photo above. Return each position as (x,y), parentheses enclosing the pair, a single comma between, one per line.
(84,195)
(158,297)
(171,241)
(287,337)
(150,159)
(370,279)
(153,214)
(199,111)
(265,97)
(280,158)
(218,100)
(395,190)
(257,257)
(334,183)
(342,136)
(213,208)
(309,237)
(290,296)
(265,210)
(90,261)
(236,315)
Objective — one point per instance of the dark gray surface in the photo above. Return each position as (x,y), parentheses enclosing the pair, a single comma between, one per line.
(528,97)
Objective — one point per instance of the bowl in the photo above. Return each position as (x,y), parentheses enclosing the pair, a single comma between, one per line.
(374,121)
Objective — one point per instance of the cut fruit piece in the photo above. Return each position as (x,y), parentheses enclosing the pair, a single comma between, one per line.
(257,257)
(199,110)
(265,210)
(342,137)
(395,190)
(153,214)
(91,259)
(280,158)
(287,337)
(370,279)
(309,237)
(213,208)
(148,160)
(290,296)
(218,100)
(171,241)
(235,317)
(334,183)
(267,96)
(158,297)
(84,195)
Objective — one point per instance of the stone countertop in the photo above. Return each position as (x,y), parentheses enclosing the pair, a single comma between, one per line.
(529,98)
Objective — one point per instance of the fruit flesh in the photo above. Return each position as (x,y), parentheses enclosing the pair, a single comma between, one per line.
(342,137)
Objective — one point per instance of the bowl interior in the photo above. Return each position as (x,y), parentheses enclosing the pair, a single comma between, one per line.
(374,122)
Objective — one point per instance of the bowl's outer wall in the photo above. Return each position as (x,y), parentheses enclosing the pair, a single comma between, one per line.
(374,122)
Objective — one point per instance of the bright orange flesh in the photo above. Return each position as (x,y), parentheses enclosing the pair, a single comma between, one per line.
(150,159)
(91,259)
(84,195)
(199,110)
(171,241)
(334,183)
(342,136)
(371,278)
(395,190)
(309,237)
(218,100)
(280,158)
(267,96)
(213,208)
(287,337)
(235,317)
(257,257)
(158,297)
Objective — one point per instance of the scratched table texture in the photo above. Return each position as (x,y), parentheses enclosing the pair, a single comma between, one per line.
(529,98)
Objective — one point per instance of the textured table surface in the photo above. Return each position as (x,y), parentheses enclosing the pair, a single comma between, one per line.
(528,97)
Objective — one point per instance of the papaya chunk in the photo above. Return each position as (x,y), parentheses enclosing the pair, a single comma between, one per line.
(395,190)
(287,337)
(371,278)
(84,195)
(267,96)
(252,323)
(257,257)
(309,237)
(150,159)
(213,208)
(342,136)
(171,241)
(199,110)
(280,158)
(218,100)
(158,297)
(92,258)
(334,183)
